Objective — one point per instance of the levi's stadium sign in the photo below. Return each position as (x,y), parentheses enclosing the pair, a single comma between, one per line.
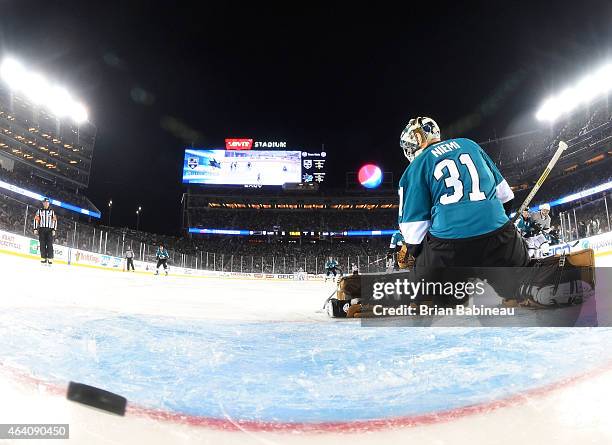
(274,144)
(238,144)
(247,144)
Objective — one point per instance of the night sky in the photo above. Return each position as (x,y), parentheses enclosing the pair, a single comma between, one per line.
(157,77)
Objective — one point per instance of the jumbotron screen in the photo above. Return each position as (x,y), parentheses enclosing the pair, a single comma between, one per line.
(245,167)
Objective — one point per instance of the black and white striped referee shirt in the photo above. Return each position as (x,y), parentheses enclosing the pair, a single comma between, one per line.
(45,219)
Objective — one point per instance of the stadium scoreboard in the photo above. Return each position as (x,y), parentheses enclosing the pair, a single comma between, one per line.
(251,163)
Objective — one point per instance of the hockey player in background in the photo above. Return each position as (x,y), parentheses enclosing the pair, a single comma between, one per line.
(162,258)
(301,275)
(454,203)
(397,241)
(538,237)
(331,267)
(525,224)
(45,224)
(542,217)
(554,236)
(129,258)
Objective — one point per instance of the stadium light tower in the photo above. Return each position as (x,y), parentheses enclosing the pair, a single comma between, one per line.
(138,212)
(110,211)
(587,89)
(40,92)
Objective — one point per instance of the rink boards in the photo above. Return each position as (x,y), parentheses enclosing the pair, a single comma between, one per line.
(24,246)
(28,247)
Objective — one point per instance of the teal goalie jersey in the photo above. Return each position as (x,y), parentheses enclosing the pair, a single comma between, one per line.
(453,190)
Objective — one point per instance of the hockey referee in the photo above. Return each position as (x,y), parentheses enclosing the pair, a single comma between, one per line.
(45,223)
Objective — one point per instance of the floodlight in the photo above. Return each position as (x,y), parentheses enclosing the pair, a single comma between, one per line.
(79,113)
(599,83)
(40,92)
(12,72)
(59,102)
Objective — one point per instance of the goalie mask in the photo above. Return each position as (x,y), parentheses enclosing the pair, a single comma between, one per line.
(426,127)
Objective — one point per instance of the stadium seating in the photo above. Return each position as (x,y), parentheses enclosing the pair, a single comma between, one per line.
(588,163)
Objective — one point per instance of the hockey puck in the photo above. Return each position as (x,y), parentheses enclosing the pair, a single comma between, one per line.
(97,398)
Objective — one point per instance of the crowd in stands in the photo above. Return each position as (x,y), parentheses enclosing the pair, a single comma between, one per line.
(519,155)
(294,220)
(11,219)
(292,246)
(585,219)
(259,254)
(44,187)
(531,170)
(590,226)
(572,182)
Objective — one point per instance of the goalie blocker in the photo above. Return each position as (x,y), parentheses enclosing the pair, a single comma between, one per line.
(555,281)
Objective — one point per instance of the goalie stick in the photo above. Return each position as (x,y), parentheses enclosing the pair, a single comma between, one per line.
(376,261)
(329,298)
(543,176)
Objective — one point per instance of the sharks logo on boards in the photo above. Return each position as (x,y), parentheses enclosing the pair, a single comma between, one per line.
(214,163)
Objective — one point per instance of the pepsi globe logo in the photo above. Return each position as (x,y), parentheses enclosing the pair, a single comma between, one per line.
(370,176)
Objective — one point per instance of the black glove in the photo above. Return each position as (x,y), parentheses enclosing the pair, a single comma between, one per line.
(537,228)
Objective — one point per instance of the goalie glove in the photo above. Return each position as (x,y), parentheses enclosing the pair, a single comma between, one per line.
(404,259)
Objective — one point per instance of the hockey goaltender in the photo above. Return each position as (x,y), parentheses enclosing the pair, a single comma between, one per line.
(453,212)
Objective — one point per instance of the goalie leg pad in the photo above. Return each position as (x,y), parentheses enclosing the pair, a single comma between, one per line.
(337,308)
(560,280)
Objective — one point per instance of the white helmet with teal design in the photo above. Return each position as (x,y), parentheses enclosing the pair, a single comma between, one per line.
(428,131)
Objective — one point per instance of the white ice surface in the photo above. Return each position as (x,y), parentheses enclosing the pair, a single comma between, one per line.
(577,414)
